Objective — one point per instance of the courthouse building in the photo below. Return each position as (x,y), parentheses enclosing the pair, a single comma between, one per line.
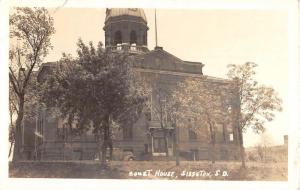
(46,138)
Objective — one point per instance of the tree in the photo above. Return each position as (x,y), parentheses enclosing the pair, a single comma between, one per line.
(258,103)
(96,89)
(31,30)
(206,103)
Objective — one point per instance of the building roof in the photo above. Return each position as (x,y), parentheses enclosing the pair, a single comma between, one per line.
(116,12)
(159,59)
(47,67)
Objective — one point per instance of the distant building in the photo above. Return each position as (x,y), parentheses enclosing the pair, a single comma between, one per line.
(286,139)
(126,30)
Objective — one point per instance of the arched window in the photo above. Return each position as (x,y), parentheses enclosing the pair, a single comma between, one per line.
(118,37)
(133,38)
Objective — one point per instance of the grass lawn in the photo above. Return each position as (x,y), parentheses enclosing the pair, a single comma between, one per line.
(188,170)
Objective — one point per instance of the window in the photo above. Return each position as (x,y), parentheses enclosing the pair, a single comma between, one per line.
(133,38)
(145,39)
(231,136)
(159,145)
(192,135)
(127,132)
(194,154)
(224,133)
(118,37)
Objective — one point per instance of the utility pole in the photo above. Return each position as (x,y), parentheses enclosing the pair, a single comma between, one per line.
(155,29)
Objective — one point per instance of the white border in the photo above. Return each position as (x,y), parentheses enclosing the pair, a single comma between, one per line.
(290,5)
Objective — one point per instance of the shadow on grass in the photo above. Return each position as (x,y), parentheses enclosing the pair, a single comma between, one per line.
(63,170)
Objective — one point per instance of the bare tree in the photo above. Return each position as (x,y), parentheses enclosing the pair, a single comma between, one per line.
(31,30)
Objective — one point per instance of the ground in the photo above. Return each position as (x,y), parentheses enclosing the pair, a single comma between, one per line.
(188,170)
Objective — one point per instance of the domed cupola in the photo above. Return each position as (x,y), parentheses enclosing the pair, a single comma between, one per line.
(126,29)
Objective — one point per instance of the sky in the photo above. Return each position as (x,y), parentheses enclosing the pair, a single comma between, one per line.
(214,37)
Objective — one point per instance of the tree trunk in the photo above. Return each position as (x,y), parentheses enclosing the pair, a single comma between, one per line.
(103,155)
(17,155)
(166,142)
(11,145)
(213,149)
(175,141)
(241,147)
(104,146)
(176,146)
(213,142)
(11,131)
(110,144)
(240,131)
(18,132)
(99,146)
(107,141)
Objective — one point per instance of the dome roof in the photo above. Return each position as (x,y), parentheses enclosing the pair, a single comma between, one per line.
(115,12)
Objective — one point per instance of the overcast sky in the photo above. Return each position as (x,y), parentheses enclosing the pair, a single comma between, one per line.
(214,37)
